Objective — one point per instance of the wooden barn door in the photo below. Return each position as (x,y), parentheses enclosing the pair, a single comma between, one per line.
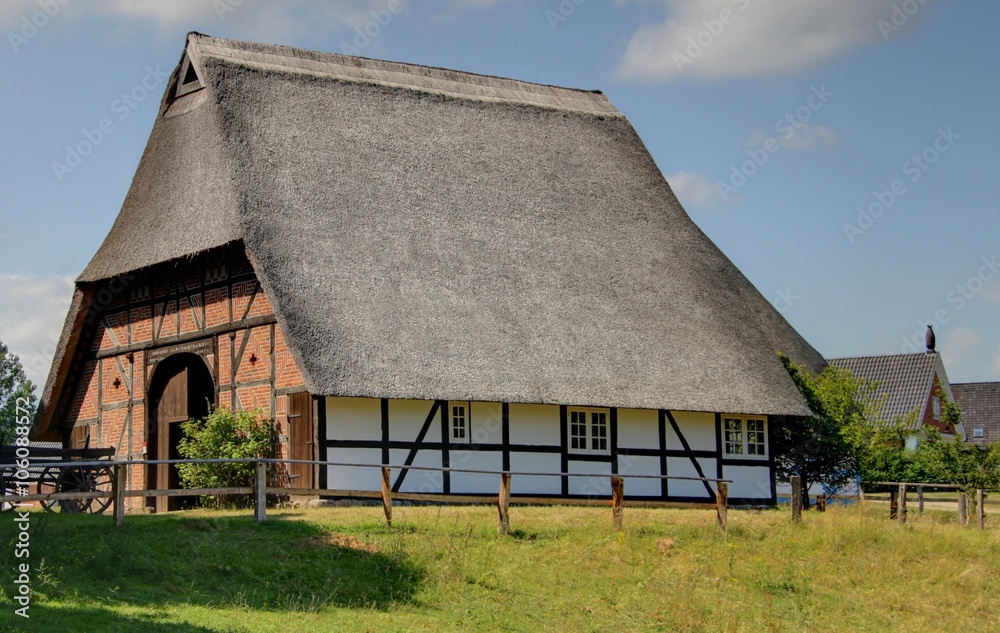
(171,410)
(79,437)
(301,439)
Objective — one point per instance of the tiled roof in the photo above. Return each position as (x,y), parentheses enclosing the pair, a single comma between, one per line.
(904,381)
(980,402)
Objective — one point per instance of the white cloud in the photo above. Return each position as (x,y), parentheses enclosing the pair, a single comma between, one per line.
(960,343)
(760,38)
(258,18)
(692,188)
(991,291)
(807,136)
(32,313)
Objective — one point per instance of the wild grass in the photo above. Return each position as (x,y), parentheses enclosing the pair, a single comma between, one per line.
(562,569)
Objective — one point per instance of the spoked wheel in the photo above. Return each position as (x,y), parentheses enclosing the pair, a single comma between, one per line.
(76,479)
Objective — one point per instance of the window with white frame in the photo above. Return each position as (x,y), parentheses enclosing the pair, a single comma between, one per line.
(459,421)
(936,406)
(978,432)
(588,430)
(744,437)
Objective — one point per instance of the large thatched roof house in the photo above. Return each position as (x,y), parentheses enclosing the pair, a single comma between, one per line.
(411,265)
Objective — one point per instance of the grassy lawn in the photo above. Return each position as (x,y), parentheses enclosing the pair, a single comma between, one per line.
(563,569)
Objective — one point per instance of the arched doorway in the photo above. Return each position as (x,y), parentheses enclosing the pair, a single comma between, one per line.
(181,389)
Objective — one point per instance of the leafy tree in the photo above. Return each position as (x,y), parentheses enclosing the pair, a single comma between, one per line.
(225,434)
(14,387)
(957,462)
(818,448)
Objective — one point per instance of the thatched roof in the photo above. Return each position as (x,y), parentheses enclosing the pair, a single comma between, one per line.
(427,233)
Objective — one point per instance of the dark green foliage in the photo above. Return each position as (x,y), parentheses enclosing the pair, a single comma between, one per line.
(957,462)
(14,386)
(817,448)
(225,434)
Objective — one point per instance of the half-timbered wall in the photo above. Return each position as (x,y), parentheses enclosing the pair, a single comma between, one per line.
(212,306)
(537,439)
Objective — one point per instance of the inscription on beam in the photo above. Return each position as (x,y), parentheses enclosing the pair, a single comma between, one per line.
(204,347)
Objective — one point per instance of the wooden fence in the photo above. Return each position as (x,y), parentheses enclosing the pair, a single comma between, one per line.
(260,489)
(898,500)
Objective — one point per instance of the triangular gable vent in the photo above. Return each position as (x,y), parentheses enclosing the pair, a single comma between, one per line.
(189,80)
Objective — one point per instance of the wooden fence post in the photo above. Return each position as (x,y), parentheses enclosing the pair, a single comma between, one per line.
(617,500)
(722,504)
(980,509)
(260,493)
(963,517)
(119,486)
(894,504)
(387,495)
(901,514)
(920,499)
(503,505)
(796,498)
(821,503)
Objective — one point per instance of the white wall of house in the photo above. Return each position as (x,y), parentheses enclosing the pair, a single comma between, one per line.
(538,439)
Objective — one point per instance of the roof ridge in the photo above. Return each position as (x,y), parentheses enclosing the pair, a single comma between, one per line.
(896,355)
(432,79)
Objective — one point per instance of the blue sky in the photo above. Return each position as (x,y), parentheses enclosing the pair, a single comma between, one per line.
(840,153)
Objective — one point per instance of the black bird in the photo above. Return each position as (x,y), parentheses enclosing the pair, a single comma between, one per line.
(929,338)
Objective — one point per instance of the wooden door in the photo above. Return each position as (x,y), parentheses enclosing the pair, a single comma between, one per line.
(79,437)
(171,410)
(301,439)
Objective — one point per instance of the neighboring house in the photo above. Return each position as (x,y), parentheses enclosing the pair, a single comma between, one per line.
(415,266)
(908,386)
(980,403)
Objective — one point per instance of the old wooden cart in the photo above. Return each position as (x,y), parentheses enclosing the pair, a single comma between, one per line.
(59,470)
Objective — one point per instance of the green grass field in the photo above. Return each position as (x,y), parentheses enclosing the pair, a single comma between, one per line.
(563,569)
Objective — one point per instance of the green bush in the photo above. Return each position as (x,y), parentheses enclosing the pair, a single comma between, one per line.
(225,434)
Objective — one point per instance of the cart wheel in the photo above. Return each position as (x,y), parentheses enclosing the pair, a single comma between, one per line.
(77,479)
(65,479)
(99,479)
(48,483)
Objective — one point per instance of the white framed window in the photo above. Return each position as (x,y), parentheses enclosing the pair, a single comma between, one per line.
(978,432)
(744,437)
(459,413)
(936,407)
(588,431)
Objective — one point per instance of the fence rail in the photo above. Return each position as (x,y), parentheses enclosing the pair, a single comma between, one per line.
(898,492)
(260,489)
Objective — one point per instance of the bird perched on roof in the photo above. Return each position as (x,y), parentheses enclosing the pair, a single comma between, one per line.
(929,339)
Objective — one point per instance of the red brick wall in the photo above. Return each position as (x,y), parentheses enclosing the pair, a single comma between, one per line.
(929,409)
(168,305)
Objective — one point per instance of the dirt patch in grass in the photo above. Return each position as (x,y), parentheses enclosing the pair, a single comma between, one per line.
(345,541)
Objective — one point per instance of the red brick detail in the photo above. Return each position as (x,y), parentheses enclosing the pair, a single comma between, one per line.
(84,404)
(256,361)
(288,374)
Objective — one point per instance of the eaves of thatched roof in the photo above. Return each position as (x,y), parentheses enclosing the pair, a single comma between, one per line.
(427,233)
